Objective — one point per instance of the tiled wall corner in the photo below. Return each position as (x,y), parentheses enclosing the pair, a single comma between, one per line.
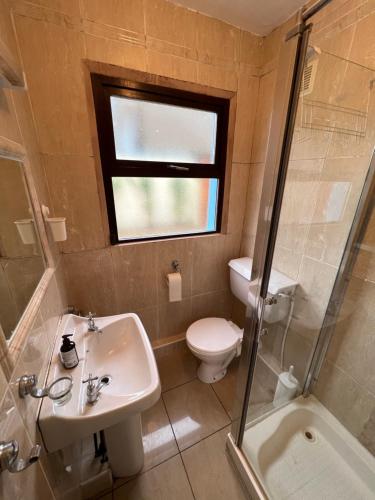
(200,49)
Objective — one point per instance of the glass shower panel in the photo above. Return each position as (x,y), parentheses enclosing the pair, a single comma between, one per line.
(329,171)
(330,156)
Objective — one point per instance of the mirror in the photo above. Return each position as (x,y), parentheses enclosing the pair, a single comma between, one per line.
(22,262)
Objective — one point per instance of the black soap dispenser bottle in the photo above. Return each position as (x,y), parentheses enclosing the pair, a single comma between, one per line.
(68,352)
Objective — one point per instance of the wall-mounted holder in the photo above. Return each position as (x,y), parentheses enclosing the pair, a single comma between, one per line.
(59,390)
(57,225)
(26,230)
(9,456)
(176,266)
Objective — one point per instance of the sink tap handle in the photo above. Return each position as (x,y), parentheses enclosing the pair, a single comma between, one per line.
(90,380)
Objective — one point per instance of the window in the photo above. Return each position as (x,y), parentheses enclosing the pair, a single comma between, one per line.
(163,155)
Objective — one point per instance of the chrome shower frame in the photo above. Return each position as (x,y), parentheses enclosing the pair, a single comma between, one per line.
(291,61)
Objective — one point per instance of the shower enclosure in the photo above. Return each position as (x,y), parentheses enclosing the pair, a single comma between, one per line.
(312,434)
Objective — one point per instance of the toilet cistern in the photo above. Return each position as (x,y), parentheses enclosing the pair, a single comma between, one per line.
(217,341)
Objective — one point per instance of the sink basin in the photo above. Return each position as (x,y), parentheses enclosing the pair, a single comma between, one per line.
(122,351)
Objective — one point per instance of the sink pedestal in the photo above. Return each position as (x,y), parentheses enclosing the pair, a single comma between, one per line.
(125,447)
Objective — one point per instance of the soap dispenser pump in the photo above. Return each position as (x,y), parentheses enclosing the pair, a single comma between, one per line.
(68,352)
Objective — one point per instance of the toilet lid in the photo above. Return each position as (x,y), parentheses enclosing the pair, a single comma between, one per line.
(211,335)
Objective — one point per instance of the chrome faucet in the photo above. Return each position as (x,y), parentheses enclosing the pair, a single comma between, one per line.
(91,324)
(93,390)
(9,456)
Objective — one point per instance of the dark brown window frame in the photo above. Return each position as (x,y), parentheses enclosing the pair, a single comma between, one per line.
(105,86)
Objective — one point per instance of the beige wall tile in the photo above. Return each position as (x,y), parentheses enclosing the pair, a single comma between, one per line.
(251,48)
(51,309)
(364,266)
(309,144)
(9,313)
(237,197)
(6,29)
(174,318)
(33,360)
(287,261)
(215,76)
(23,275)
(254,192)
(171,66)
(297,212)
(350,403)
(338,43)
(32,480)
(74,195)
(171,23)
(214,304)
(23,111)
(263,117)
(69,7)
(3,384)
(298,350)
(8,121)
(89,281)
(135,268)
(150,320)
(363,47)
(353,347)
(330,226)
(211,255)
(13,208)
(59,101)
(109,51)
(271,46)
(247,97)
(247,246)
(315,282)
(128,15)
(216,40)
(352,146)
(168,251)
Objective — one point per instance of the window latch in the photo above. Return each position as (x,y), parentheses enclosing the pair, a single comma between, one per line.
(178,167)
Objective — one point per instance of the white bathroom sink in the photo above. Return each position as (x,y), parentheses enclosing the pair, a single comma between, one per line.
(123,352)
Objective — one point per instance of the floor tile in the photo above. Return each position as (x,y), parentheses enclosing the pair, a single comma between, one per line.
(225,389)
(107,496)
(210,471)
(195,412)
(158,439)
(167,481)
(176,364)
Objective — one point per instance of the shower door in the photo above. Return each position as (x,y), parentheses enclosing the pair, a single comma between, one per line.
(326,176)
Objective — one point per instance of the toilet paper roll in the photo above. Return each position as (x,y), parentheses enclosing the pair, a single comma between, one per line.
(175,287)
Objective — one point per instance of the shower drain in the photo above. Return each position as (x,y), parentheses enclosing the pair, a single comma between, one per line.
(309,436)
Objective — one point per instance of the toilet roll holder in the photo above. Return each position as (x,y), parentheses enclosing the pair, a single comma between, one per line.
(176,266)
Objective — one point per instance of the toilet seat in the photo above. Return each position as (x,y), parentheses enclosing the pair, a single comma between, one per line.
(212,336)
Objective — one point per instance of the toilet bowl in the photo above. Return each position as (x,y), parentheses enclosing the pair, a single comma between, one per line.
(215,341)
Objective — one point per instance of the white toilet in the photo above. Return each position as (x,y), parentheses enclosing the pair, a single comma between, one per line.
(216,341)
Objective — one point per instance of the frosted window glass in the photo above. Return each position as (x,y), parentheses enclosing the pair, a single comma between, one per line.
(151,131)
(150,207)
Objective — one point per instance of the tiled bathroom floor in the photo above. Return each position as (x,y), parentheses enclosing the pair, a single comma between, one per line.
(184,438)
